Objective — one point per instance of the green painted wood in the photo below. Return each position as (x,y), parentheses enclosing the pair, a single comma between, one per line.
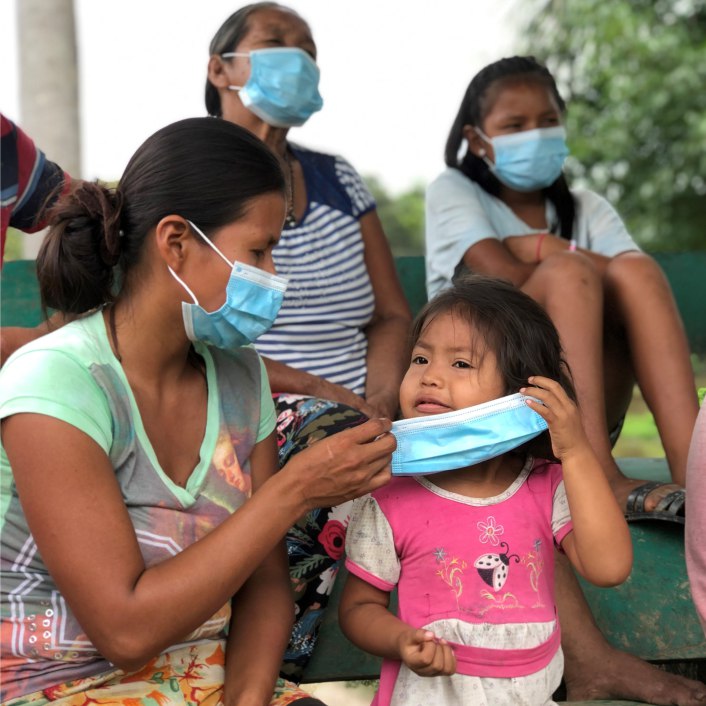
(413,278)
(652,614)
(335,658)
(20,306)
(686,273)
(19,294)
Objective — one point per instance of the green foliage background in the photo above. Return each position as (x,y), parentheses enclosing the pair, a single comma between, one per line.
(633,73)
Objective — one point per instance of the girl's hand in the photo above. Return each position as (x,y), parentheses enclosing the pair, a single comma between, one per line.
(560,413)
(532,249)
(343,466)
(425,654)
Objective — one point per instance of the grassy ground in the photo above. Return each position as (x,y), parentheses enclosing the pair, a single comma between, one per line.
(639,436)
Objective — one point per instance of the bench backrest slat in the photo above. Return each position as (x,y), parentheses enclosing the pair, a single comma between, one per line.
(20,305)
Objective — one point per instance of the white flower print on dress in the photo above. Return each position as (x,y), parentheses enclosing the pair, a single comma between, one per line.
(490,531)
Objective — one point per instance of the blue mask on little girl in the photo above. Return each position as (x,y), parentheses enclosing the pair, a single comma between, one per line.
(464,437)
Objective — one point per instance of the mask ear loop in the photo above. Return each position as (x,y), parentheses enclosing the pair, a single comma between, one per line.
(212,246)
(183,284)
(482,152)
(230,55)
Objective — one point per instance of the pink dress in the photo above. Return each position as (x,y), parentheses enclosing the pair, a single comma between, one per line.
(478,572)
(695,537)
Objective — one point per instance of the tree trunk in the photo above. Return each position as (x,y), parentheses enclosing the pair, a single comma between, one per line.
(49,85)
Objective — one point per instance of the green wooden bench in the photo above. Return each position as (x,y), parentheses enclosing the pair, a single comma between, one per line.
(650,615)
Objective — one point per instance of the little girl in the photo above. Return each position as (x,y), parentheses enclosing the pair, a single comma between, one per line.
(470,549)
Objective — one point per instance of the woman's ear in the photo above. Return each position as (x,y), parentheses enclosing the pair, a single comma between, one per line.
(173,241)
(217,74)
(476,145)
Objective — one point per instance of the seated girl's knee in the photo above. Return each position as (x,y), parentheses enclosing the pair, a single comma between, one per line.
(569,268)
(632,268)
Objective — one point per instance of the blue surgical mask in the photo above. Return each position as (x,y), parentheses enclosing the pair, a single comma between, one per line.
(283,88)
(253,300)
(464,437)
(528,160)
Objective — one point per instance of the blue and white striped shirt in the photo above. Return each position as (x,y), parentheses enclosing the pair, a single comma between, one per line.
(329,299)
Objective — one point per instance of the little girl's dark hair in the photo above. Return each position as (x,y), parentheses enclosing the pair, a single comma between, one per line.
(205,170)
(476,104)
(507,322)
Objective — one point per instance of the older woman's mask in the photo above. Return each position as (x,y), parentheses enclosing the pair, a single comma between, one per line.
(283,88)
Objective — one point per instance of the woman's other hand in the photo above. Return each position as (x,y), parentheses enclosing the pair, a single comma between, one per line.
(343,466)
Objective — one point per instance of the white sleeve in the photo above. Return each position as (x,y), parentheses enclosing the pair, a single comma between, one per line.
(561,516)
(362,200)
(370,546)
(455,220)
(601,230)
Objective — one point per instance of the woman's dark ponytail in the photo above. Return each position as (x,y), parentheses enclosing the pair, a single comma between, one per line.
(76,263)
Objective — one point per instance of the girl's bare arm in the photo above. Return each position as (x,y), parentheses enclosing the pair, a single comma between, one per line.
(600,546)
(366,621)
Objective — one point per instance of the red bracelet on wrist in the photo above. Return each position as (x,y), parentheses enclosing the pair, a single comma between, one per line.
(538,254)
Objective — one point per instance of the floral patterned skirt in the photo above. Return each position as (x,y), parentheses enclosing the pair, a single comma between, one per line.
(315,544)
(192,674)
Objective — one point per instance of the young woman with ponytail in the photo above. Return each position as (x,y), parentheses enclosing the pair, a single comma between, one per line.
(135,565)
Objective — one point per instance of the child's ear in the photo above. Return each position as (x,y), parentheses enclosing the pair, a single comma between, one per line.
(476,145)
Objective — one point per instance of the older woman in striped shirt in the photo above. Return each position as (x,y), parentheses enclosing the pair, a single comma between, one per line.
(337,350)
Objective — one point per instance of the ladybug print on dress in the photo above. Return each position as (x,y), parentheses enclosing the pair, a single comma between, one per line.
(494,568)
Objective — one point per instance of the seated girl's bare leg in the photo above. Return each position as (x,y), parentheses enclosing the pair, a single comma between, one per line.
(639,293)
(596,670)
(570,289)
